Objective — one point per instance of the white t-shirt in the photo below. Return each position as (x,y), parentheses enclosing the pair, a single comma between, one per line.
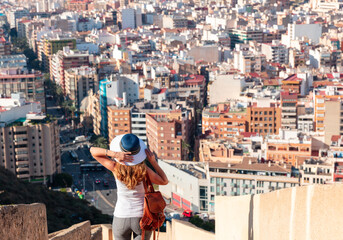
(129,202)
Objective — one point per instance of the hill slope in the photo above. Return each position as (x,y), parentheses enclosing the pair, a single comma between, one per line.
(62,210)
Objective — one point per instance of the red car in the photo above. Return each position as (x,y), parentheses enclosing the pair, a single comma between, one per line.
(187,213)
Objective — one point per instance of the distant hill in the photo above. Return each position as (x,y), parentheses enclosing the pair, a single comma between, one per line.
(62,209)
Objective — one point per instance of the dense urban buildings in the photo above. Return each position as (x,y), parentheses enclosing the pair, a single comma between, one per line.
(234,97)
(29,140)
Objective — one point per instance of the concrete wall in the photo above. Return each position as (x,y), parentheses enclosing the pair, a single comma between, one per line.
(77,231)
(181,230)
(23,222)
(96,232)
(311,212)
(28,221)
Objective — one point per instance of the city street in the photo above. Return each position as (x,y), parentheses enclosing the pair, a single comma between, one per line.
(102,197)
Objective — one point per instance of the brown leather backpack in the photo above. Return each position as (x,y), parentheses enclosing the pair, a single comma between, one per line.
(154,204)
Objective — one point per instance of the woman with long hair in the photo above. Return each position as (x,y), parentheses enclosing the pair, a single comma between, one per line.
(126,160)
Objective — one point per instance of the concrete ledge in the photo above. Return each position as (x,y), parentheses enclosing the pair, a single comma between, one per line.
(107,232)
(312,212)
(182,230)
(77,231)
(23,222)
(96,232)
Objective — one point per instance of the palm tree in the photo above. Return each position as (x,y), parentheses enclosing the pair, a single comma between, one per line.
(186,147)
(99,141)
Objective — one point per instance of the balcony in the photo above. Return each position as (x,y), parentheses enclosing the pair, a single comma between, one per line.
(23,176)
(22,169)
(309,173)
(24,162)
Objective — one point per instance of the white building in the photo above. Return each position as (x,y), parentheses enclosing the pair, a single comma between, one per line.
(194,185)
(138,125)
(275,52)
(311,31)
(16,107)
(123,86)
(128,18)
(14,15)
(188,186)
(174,21)
(320,57)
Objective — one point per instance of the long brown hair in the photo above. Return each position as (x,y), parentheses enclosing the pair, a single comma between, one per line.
(131,176)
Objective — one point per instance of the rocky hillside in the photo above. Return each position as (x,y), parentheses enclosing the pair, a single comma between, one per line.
(62,210)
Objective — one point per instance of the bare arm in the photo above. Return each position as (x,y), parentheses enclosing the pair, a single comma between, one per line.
(160,177)
(103,157)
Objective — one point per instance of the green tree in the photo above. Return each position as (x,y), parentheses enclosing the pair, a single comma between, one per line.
(186,147)
(53,89)
(99,141)
(63,180)
(206,225)
(21,46)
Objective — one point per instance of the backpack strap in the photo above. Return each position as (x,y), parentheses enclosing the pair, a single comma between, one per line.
(143,234)
(147,184)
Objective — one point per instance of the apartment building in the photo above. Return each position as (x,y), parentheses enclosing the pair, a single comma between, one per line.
(288,111)
(160,76)
(327,111)
(193,195)
(119,121)
(248,62)
(119,90)
(205,181)
(64,60)
(289,146)
(141,109)
(174,21)
(335,154)
(238,35)
(29,140)
(5,47)
(218,150)
(292,84)
(168,134)
(77,5)
(78,82)
(264,117)
(305,123)
(296,58)
(15,14)
(223,122)
(14,78)
(275,52)
(248,177)
(51,45)
(316,172)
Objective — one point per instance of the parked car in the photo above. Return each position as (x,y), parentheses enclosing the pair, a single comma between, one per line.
(187,213)
(97,181)
(175,215)
(106,183)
